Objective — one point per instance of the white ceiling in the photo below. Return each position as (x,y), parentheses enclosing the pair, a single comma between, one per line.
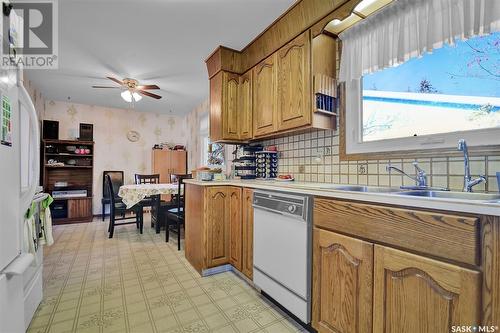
(162,42)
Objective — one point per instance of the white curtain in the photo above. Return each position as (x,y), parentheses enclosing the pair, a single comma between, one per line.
(409,28)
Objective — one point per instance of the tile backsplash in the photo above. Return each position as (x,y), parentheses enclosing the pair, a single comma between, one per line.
(314,157)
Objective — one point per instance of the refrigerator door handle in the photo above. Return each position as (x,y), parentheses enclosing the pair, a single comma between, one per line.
(19,265)
(27,195)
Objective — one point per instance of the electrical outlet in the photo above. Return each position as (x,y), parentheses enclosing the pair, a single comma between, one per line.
(302,168)
(362,169)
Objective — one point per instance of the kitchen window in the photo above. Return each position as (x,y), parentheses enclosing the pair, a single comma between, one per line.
(414,85)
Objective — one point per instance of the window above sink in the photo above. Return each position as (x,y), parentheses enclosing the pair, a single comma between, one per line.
(419,76)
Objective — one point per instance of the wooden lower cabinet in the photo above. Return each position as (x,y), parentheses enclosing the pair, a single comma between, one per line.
(247,224)
(418,294)
(219,227)
(342,283)
(219,212)
(235,229)
(411,293)
(80,208)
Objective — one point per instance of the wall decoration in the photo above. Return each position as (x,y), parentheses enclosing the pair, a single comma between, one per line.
(133,136)
(6,122)
(171,123)
(72,112)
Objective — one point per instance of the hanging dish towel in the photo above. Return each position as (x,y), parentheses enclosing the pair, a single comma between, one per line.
(46,230)
(30,239)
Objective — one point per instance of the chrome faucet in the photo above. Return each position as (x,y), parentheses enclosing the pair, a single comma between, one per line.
(420,177)
(469,183)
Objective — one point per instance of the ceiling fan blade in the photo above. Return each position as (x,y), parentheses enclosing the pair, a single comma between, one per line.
(106,87)
(145,93)
(148,87)
(115,80)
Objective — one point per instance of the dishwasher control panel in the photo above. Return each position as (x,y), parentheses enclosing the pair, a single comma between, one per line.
(284,204)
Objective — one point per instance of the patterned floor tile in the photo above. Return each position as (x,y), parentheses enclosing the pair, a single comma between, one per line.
(139,284)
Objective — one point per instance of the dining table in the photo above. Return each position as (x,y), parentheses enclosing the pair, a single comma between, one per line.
(133,194)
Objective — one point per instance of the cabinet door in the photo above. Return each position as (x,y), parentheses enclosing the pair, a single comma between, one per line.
(218,206)
(161,164)
(264,97)
(177,162)
(230,106)
(294,83)
(247,224)
(245,106)
(418,294)
(216,131)
(80,208)
(342,283)
(235,228)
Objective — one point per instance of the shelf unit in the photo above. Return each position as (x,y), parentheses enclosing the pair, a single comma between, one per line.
(78,177)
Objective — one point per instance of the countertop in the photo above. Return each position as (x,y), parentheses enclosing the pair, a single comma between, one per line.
(314,189)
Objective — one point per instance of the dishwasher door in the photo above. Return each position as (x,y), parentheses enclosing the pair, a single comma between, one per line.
(282,251)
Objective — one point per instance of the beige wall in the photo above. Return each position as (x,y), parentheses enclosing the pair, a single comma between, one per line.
(194,141)
(113,151)
(194,122)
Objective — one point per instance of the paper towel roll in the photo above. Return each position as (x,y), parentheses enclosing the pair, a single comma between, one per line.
(19,265)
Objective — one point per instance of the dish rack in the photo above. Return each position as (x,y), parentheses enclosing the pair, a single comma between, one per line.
(267,164)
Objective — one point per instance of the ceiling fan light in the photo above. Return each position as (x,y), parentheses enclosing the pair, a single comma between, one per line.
(130,97)
(127,96)
(136,96)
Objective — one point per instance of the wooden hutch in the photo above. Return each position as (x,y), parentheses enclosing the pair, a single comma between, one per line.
(72,172)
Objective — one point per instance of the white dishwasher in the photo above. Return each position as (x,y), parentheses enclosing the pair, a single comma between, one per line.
(283,250)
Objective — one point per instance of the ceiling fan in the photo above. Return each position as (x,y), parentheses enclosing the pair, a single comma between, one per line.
(132,91)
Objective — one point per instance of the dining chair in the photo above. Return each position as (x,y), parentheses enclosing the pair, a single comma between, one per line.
(117,181)
(175,216)
(118,208)
(151,201)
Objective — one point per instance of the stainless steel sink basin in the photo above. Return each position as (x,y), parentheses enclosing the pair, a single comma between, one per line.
(453,195)
(360,188)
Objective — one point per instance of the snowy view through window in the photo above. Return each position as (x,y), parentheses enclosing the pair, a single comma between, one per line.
(454,88)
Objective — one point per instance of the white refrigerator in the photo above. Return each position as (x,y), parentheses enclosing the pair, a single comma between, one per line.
(20,273)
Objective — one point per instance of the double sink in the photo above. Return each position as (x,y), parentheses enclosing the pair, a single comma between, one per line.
(415,193)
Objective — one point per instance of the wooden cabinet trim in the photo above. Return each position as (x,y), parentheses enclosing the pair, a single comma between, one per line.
(448,236)
(490,242)
(235,229)
(247,222)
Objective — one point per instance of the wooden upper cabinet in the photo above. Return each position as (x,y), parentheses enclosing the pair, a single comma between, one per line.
(294,83)
(218,206)
(245,107)
(235,228)
(417,294)
(230,88)
(265,97)
(216,108)
(247,225)
(342,284)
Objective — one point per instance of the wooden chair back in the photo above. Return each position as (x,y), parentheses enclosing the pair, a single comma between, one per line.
(147,179)
(116,180)
(180,192)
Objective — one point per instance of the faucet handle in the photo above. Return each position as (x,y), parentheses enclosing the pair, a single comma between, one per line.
(419,169)
(421,175)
